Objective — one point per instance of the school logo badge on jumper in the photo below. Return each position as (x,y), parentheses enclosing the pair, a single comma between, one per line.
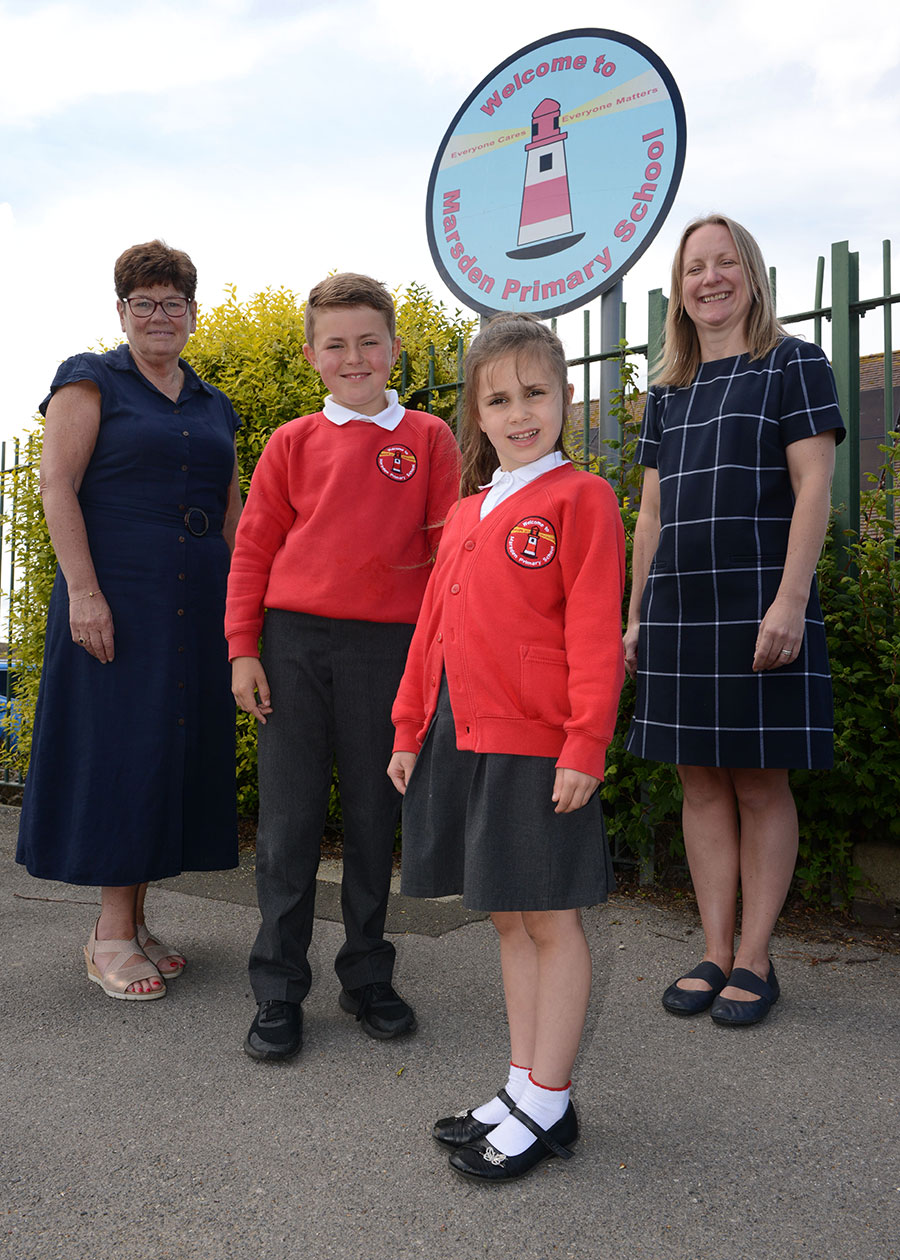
(556,173)
(531,543)
(397,462)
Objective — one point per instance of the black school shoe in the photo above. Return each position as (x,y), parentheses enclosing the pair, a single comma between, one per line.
(463,1129)
(482,1162)
(381,1011)
(276,1032)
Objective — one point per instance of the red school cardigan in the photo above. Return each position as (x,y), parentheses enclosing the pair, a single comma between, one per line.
(524,614)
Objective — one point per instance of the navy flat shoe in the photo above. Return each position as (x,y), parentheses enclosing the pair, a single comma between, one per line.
(482,1162)
(693,1001)
(463,1128)
(735,1013)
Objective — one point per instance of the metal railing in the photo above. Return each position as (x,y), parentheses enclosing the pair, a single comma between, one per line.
(844,315)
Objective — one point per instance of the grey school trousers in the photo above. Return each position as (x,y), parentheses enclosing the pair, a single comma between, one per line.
(333,683)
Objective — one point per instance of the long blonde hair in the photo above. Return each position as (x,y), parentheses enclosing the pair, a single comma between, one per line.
(507,333)
(680,359)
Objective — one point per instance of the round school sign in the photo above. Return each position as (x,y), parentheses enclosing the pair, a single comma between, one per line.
(556,174)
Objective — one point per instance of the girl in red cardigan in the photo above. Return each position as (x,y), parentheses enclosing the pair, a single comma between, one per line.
(503,717)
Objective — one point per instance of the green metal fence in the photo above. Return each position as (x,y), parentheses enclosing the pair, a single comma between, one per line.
(844,315)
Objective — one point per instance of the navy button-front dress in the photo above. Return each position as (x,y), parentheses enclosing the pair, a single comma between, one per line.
(132,764)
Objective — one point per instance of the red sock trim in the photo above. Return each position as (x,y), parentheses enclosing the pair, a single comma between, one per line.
(521,1067)
(551,1089)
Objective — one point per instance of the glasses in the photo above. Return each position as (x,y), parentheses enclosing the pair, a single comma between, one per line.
(143,308)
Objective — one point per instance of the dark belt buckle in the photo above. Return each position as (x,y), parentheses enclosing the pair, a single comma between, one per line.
(189,516)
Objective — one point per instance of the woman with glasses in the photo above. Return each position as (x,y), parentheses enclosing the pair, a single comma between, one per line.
(131,776)
(725,632)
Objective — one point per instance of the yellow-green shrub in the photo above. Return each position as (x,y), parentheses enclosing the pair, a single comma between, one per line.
(252,351)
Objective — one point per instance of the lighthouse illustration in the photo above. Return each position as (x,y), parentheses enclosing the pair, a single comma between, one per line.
(545,220)
(530,548)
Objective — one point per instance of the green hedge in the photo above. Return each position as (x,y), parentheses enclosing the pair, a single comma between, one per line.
(251,350)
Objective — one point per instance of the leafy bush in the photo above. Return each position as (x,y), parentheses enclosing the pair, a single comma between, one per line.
(640,798)
(35,565)
(251,350)
(857,800)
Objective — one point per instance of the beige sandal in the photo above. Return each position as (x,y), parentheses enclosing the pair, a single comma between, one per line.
(114,981)
(158,953)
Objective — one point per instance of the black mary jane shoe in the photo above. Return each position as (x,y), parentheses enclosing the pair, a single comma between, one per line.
(692,1001)
(482,1162)
(736,1013)
(463,1128)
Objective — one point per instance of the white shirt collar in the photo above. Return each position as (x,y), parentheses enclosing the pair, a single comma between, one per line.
(387,419)
(503,484)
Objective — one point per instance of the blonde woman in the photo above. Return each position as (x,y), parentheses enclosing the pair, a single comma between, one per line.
(725,633)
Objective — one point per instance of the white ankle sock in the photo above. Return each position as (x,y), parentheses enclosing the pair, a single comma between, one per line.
(496,1110)
(544,1106)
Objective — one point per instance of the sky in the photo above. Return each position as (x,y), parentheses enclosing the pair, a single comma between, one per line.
(278,141)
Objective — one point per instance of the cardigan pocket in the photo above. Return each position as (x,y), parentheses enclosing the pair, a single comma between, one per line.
(544,685)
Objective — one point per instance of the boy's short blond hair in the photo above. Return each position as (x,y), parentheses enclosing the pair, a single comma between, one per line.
(348,288)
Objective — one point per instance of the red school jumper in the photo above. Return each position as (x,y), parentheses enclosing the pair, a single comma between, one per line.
(524,613)
(341,521)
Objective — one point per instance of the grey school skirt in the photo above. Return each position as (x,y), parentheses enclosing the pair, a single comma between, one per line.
(482,824)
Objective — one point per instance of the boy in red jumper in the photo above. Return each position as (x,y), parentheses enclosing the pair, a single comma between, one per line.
(330,564)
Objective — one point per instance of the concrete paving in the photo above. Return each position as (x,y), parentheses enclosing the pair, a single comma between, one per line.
(140,1131)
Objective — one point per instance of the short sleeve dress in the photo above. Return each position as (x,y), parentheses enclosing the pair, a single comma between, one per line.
(725,512)
(132,773)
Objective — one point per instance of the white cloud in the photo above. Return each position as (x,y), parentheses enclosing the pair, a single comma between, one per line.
(54,56)
(282,139)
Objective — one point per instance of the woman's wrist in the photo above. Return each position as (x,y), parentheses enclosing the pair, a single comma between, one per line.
(73,599)
(792,595)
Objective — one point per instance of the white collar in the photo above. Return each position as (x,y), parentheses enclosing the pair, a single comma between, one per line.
(503,484)
(387,419)
(528,472)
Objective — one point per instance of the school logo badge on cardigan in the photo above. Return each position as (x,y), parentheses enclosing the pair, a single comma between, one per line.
(531,543)
(397,462)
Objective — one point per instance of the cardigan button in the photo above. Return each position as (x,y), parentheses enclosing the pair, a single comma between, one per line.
(440,636)
(469,545)
(454,589)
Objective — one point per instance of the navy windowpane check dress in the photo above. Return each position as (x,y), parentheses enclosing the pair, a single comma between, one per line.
(725,512)
(132,765)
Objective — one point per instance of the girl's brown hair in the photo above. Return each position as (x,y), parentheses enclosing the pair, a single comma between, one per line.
(680,359)
(504,334)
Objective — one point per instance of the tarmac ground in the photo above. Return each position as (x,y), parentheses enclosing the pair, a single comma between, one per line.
(140,1130)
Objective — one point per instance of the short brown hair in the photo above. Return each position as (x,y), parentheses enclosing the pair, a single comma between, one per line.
(504,334)
(680,359)
(155,263)
(348,288)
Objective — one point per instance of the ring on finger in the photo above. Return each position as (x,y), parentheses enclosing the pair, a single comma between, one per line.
(81,639)
(787,651)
